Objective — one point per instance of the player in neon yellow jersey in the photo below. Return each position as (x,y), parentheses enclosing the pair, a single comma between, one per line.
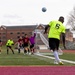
(54,30)
(9,45)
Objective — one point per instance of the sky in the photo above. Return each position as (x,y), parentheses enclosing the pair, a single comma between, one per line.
(28,12)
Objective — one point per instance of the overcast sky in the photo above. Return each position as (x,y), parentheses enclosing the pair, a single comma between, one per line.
(28,12)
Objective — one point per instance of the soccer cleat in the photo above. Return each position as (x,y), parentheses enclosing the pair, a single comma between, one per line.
(61,63)
(55,62)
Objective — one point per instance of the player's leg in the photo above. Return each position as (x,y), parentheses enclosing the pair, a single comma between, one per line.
(54,45)
(0,50)
(18,50)
(11,49)
(25,51)
(7,49)
(56,52)
(27,48)
(31,49)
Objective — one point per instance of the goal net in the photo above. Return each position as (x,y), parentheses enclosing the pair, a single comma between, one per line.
(41,43)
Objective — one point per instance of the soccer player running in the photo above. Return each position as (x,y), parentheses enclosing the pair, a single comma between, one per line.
(56,28)
(9,45)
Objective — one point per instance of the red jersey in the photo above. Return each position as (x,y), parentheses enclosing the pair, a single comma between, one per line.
(20,41)
(26,40)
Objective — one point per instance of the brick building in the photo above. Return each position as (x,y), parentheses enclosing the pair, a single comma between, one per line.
(17,31)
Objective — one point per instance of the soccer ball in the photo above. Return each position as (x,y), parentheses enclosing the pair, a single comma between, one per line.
(44,9)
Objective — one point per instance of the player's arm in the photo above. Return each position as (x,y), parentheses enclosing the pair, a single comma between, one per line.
(16,43)
(46,29)
(34,35)
(29,42)
(63,39)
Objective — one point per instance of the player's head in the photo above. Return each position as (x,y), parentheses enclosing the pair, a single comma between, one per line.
(61,19)
(26,35)
(20,37)
(11,39)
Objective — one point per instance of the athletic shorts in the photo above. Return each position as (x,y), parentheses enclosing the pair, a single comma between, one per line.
(25,45)
(31,46)
(9,47)
(54,44)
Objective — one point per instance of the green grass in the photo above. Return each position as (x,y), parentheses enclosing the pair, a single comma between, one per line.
(20,59)
(29,60)
(68,56)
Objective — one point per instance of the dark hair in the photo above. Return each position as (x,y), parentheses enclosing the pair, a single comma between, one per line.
(61,18)
(25,34)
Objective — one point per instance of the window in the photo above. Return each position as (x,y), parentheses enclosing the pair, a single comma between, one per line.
(18,32)
(18,36)
(22,32)
(22,36)
(4,33)
(11,33)
(4,37)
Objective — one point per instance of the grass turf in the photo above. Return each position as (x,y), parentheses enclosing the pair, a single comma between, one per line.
(28,60)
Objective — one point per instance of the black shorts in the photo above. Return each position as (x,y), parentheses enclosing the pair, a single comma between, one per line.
(9,47)
(21,45)
(25,45)
(31,46)
(54,44)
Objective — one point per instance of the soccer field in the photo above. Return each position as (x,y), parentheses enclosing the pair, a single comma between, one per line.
(32,60)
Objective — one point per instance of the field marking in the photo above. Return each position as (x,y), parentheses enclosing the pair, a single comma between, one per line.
(68,61)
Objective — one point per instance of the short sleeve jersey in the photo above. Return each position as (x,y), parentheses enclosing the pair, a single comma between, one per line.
(56,28)
(26,40)
(9,43)
(20,41)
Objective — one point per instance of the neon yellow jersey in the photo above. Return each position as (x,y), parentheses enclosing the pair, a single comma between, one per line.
(56,28)
(9,43)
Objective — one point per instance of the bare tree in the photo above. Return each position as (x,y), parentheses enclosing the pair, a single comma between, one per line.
(71,19)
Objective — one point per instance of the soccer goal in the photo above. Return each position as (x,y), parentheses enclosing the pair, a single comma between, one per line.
(41,43)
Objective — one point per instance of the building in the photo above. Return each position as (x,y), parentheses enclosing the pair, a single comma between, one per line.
(15,32)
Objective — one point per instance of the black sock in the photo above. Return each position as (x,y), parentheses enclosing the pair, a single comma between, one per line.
(12,51)
(7,51)
(18,50)
(25,51)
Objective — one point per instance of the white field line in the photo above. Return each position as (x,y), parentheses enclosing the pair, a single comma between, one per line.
(68,61)
(72,62)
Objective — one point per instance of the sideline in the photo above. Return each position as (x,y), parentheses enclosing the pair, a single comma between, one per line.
(68,61)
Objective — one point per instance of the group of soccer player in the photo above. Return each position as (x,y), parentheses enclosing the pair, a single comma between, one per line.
(25,43)
(54,29)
